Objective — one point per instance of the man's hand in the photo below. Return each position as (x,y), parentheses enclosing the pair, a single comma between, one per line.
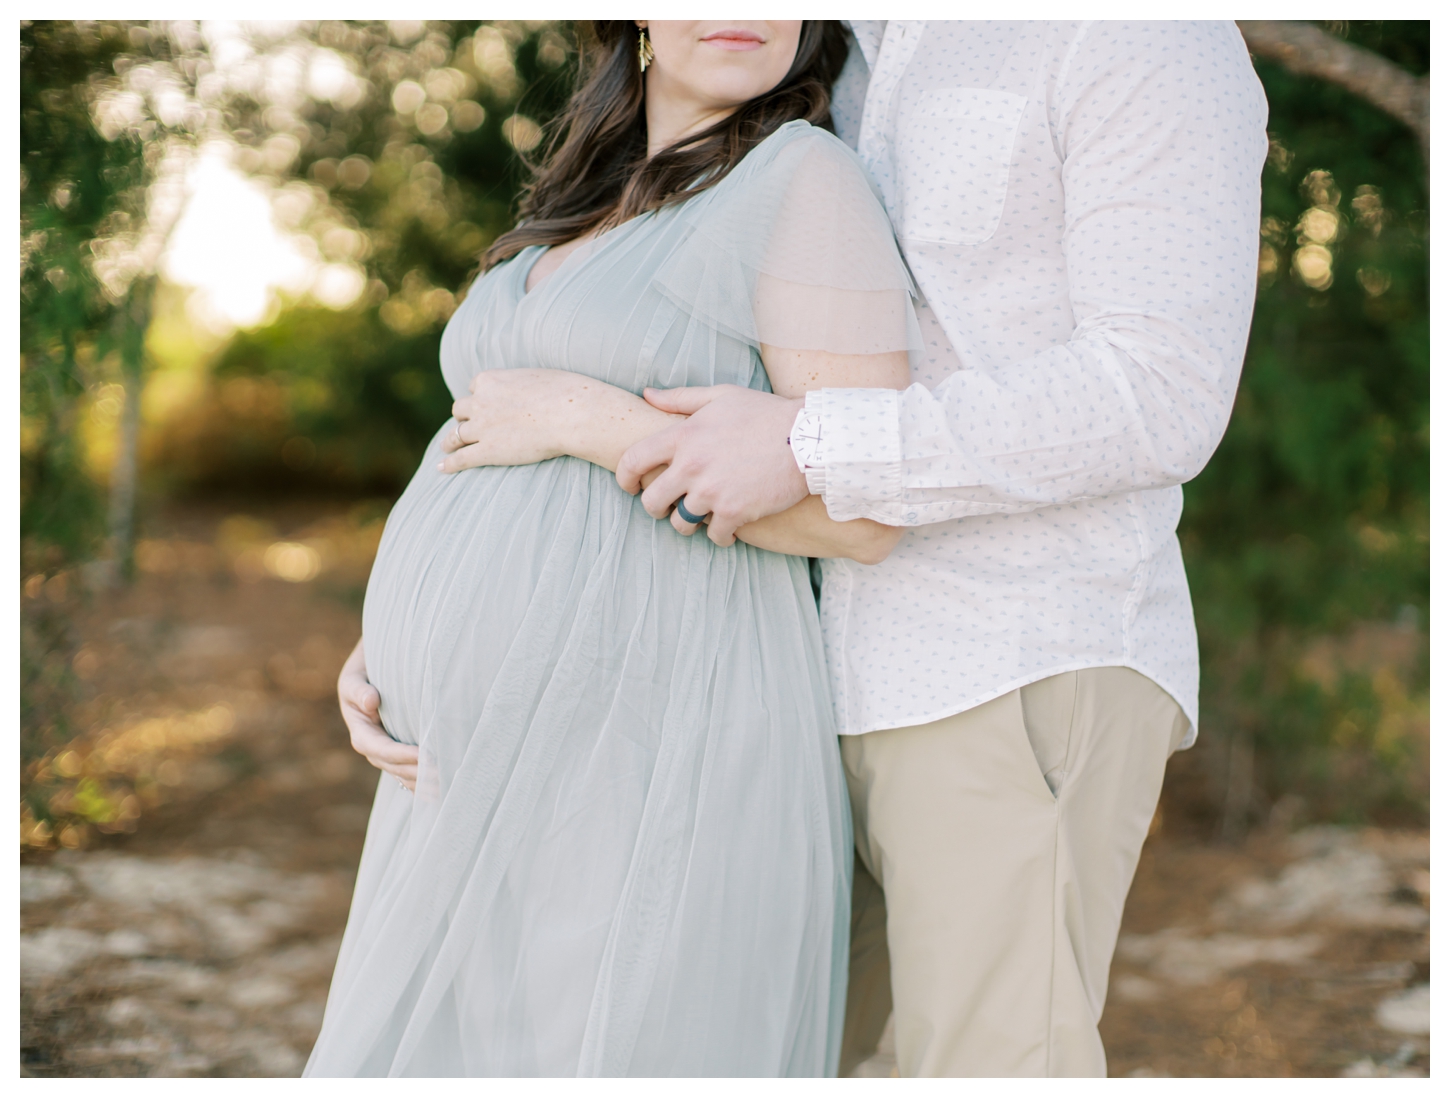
(359,701)
(730,460)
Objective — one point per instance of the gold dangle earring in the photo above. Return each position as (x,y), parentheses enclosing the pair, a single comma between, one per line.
(646,51)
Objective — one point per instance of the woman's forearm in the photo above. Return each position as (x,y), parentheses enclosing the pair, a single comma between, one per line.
(807,530)
(518,417)
(602,421)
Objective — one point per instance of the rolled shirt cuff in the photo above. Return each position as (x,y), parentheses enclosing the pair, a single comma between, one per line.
(857,467)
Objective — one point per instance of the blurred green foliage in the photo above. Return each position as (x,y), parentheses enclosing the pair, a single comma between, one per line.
(1306,539)
(1313,516)
(73,181)
(353,396)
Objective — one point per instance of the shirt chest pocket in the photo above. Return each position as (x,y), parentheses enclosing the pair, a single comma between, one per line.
(955,152)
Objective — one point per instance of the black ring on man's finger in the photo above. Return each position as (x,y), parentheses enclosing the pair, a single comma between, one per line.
(686,514)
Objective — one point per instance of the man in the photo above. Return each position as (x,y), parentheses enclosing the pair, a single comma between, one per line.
(1078,203)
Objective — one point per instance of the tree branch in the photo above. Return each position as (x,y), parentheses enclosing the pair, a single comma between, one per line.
(1305,49)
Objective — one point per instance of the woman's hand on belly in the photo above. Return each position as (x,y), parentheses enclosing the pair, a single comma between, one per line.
(511,417)
(359,701)
(518,417)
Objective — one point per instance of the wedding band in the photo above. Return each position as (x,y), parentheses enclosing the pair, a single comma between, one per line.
(457,437)
(684,513)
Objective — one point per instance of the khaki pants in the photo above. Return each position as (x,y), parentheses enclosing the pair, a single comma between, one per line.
(999,845)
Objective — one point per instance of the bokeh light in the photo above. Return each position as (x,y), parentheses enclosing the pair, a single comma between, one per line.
(227,246)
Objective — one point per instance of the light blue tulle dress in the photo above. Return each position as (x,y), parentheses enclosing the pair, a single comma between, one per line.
(630,849)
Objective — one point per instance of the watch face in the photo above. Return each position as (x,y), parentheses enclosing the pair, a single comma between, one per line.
(805,438)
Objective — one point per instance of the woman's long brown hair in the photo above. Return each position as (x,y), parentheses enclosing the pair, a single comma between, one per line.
(597,170)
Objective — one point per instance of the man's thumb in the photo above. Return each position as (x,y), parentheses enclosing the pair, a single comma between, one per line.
(684,402)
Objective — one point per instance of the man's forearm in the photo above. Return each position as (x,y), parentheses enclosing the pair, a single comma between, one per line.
(1086,420)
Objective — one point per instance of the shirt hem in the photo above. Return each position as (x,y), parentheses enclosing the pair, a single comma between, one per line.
(1016,684)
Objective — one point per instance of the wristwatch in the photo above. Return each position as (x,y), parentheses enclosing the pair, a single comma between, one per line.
(808,445)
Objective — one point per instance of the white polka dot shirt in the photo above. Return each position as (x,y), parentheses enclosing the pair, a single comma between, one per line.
(1079,204)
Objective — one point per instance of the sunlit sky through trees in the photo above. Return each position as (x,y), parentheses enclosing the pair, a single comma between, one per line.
(231,112)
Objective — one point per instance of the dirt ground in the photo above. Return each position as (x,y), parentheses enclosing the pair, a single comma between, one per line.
(201,941)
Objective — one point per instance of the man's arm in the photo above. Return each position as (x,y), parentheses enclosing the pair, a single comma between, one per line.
(1161,206)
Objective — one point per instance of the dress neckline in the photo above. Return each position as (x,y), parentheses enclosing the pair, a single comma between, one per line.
(526,267)
(589,248)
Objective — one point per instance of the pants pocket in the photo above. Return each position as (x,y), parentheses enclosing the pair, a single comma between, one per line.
(1048,708)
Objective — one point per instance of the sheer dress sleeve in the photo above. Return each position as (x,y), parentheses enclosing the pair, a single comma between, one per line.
(794,250)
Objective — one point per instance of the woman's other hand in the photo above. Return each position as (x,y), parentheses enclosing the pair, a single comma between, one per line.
(513,417)
(359,701)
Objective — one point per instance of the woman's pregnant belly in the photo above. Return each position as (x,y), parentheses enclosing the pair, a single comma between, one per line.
(497,586)
(465,560)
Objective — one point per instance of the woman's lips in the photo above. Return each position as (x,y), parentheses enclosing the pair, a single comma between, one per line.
(734,40)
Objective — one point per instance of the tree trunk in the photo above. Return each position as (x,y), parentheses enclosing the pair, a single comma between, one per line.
(134,319)
(1305,49)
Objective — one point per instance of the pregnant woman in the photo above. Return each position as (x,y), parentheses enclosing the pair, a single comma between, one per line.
(628,849)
